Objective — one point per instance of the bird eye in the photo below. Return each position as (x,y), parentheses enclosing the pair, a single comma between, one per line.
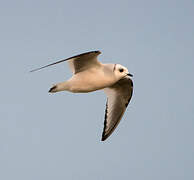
(121,70)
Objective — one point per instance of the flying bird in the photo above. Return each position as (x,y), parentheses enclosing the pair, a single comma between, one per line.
(90,75)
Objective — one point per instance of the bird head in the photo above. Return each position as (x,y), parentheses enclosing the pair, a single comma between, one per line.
(121,71)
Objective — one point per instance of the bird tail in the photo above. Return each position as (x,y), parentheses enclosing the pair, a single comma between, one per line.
(53,89)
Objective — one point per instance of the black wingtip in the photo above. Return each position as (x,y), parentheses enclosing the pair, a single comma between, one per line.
(32,70)
(98,52)
(103,138)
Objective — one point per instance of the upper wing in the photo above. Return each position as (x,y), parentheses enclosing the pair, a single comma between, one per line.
(119,96)
(79,62)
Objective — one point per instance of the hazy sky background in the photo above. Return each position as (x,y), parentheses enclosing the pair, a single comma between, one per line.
(57,136)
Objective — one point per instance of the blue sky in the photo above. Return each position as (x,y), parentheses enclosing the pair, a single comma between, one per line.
(46,136)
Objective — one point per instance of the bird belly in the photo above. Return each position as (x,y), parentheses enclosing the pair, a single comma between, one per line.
(87,82)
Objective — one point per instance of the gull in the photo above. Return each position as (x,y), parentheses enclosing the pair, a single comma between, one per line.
(89,75)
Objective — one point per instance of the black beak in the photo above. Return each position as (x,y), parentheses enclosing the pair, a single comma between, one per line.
(131,75)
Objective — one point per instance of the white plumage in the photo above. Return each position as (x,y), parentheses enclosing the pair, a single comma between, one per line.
(91,75)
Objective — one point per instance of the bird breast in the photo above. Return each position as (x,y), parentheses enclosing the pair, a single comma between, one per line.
(90,80)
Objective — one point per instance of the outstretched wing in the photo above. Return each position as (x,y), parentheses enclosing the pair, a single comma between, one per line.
(119,96)
(79,62)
